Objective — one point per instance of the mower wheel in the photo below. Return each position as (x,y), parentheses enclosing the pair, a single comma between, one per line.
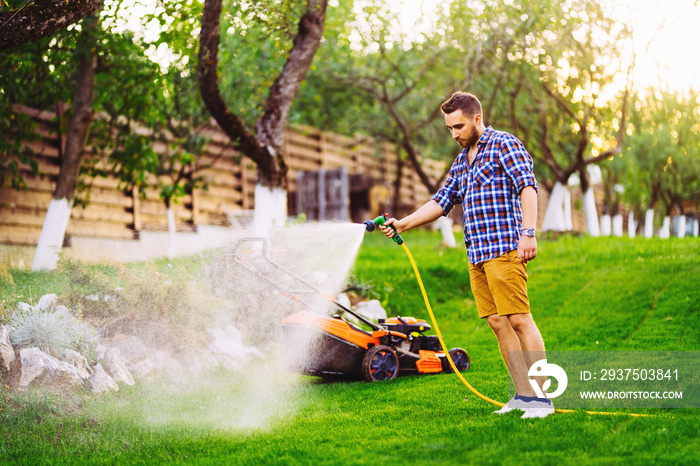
(380,363)
(459,357)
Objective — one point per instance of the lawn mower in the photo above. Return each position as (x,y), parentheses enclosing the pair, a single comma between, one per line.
(332,347)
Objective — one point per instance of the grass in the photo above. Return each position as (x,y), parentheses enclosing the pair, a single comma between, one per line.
(587,294)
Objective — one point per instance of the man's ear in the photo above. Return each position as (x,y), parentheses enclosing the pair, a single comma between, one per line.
(478,119)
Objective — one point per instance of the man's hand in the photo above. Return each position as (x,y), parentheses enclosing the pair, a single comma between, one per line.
(527,249)
(389,232)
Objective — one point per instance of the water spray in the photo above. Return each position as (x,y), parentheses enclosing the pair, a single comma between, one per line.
(381,220)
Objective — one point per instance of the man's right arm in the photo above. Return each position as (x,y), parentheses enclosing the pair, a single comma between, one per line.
(429,212)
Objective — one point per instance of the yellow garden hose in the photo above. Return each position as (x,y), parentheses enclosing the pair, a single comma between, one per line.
(452,364)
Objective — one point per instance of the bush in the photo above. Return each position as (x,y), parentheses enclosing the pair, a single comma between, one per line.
(52,331)
(47,330)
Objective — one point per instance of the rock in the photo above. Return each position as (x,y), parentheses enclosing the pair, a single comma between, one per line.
(24,307)
(229,349)
(372,310)
(144,370)
(66,314)
(343,300)
(78,361)
(47,302)
(164,362)
(100,351)
(115,366)
(132,349)
(7,354)
(101,382)
(63,310)
(39,368)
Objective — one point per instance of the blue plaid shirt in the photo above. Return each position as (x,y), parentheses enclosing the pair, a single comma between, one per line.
(489,192)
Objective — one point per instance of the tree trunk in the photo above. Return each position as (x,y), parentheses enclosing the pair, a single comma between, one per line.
(58,215)
(265,148)
(649,224)
(41,18)
(665,231)
(557,217)
(631,225)
(591,212)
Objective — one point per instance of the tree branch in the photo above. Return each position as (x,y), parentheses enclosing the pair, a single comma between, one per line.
(41,18)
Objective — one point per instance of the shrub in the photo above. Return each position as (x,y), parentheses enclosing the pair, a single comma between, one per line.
(47,330)
(52,331)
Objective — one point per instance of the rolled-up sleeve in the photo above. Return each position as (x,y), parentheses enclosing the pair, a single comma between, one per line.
(517,163)
(449,194)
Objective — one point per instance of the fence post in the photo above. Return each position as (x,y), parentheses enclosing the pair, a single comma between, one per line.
(245,204)
(136,202)
(321,193)
(195,210)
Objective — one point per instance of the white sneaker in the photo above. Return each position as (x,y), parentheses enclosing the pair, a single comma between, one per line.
(511,405)
(538,409)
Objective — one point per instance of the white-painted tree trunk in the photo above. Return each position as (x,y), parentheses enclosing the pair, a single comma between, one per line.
(591,213)
(665,231)
(696,227)
(270,210)
(649,223)
(172,233)
(605,225)
(448,236)
(681,226)
(617,225)
(559,205)
(568,219)
(52,234)
(631,225)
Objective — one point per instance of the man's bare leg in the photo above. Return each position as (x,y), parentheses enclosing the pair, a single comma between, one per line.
(512,352)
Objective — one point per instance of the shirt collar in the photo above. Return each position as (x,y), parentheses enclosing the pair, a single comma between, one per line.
(486,136)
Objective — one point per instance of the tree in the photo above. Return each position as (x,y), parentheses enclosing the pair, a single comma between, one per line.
(557,103)
(661,167)
(34,19)
(58,214)
(265,145)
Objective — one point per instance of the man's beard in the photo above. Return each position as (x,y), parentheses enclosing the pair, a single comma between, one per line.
(471,139)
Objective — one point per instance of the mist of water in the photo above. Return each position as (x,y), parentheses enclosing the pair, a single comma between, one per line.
(256,297)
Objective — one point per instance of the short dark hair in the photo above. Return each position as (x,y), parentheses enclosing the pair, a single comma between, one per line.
(464,101)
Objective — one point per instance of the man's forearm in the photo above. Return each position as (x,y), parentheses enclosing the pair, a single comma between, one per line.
(429,212)
(528,199)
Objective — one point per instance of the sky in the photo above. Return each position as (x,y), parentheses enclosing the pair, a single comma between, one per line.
(665,35)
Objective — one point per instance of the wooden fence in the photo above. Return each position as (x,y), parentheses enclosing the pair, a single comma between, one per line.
(115,212)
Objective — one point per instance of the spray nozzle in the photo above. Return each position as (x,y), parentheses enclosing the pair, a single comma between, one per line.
(371,224)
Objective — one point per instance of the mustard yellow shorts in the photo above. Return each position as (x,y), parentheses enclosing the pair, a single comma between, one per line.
(500,286)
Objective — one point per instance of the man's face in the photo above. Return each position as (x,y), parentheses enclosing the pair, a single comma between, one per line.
(462,128)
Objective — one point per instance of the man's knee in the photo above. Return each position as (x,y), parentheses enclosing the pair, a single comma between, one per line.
(521,323)
(498,323)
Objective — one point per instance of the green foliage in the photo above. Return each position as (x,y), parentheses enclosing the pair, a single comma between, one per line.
(659,166)
(15,157)
(47,330)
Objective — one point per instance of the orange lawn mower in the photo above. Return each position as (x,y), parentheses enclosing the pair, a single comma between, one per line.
(334,348)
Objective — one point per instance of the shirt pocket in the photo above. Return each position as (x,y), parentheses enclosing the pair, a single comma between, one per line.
(485,173)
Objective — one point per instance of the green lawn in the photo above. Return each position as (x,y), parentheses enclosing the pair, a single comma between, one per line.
(587,294)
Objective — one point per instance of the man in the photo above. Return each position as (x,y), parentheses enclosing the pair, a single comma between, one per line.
(493,180)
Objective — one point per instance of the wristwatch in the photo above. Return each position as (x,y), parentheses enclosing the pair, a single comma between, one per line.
(529,232)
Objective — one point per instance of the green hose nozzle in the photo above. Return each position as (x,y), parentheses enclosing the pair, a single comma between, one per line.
(371,224)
